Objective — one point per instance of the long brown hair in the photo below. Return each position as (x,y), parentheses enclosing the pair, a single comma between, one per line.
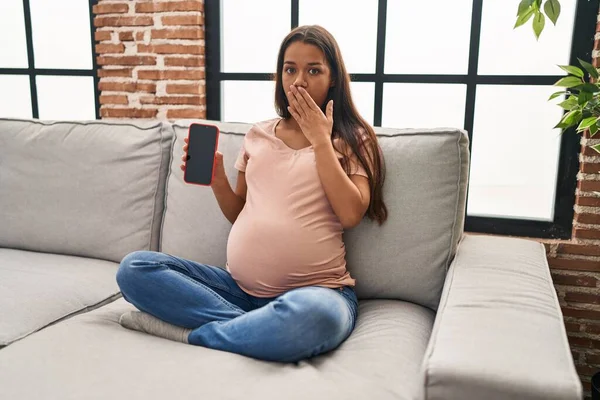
(348,125)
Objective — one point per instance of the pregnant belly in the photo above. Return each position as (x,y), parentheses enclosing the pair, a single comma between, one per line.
(274,255)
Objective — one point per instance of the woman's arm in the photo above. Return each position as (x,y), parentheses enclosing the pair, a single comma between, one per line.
(230,202)
(349,196)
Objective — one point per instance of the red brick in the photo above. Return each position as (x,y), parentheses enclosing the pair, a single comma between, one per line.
(139,36)
(572,327)
(186,113)
(170,49)
(189,74)
(113,99)
(181,33)
(102,48)
(126,60)
(597,44)
(579,313)
(584,233)
(102,35)
(183,20)
(166,6)
(587,218)
(586,370)
(596,62)
(580,342)
(587,201)
(582,249)
(587,386)
(577,265)
(184,61)
(127,87)
(588,151)
(117,72)
(573,280)
(588,298)
(590,168)
(186,88)
(182,100)
(588,186)
(110,8)
(126,36)
(128,112)
(123,21)
(592,328)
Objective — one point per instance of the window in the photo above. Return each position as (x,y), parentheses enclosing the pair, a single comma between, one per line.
(47,63)
(485,77)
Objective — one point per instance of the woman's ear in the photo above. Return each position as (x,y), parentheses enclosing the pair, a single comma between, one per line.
(332,83)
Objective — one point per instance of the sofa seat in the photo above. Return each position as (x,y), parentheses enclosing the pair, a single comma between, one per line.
(38,289)
(99,359)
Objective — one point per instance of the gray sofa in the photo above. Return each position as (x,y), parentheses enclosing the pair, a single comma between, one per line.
(442,315)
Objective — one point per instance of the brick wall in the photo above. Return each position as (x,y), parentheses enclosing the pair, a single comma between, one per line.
(150,57)
(575,264)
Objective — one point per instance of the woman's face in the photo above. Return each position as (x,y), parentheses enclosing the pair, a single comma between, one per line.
(305,65)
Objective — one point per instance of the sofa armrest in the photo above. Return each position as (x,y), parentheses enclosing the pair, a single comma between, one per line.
(499,331)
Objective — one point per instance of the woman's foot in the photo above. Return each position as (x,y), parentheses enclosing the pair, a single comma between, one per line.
(142,322)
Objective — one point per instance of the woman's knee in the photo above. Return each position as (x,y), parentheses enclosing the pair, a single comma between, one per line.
(318,307)
(132,266)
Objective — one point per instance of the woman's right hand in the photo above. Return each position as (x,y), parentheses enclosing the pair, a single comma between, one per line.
(219,176)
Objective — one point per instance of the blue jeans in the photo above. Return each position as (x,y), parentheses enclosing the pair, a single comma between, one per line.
(298,324)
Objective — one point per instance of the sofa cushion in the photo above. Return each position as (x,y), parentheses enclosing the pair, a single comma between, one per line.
(99,360)
(37,289)
(92,189)
(406,258)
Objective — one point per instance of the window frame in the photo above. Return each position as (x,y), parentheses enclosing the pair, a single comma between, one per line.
(568,165)
(33,72)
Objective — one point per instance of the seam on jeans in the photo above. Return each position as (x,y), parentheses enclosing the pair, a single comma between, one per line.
(204,284)
(215,294)
(211,284)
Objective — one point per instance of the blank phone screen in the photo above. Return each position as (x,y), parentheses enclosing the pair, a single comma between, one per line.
(201,153)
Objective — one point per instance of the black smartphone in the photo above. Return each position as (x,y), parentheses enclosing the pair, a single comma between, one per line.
(203,141)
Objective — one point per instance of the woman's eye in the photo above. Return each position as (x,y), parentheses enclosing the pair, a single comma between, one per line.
(313,71)
(289,70)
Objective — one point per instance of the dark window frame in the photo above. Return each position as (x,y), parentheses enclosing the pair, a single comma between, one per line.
(32,72)
(568,164)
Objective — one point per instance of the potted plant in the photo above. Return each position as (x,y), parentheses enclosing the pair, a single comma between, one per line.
(582,98)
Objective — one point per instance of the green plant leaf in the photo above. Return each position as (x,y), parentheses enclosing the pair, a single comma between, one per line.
(537,4)
(523,6)
(538,23)
(593,130)
(586,123)
(589,68)
(596,147)
(588,87)
(557,94)
(569,103)
(584,97)
(569,82)
(572,70)
(569,119)
(524,18)
(552,9)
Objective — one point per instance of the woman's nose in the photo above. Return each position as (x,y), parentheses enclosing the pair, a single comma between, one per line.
(300,81)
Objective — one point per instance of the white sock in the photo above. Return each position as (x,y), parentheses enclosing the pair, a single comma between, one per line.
(142,322)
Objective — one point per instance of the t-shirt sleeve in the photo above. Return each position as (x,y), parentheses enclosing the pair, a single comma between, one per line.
(242,159)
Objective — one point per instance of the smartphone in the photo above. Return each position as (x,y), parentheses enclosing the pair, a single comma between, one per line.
(203,141)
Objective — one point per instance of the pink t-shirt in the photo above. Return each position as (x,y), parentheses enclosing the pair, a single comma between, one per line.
(287,235)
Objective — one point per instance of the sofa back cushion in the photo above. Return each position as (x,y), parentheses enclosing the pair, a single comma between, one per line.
(406,258)
(93,189)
